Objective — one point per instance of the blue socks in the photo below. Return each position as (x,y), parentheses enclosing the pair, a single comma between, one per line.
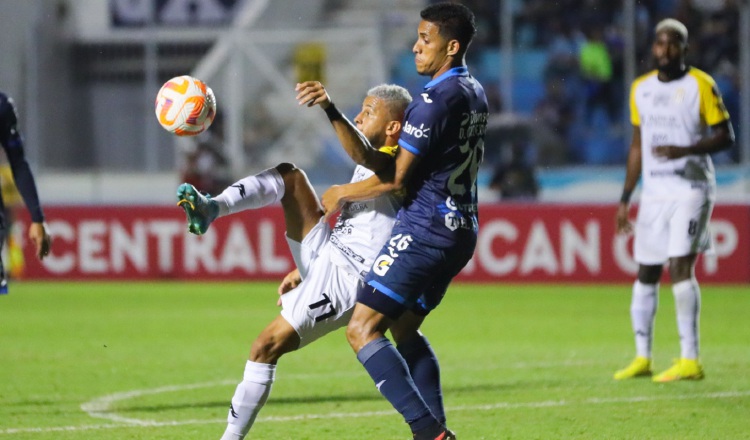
(425,371)
(391,376)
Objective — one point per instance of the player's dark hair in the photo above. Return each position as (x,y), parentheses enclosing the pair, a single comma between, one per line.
(455,21)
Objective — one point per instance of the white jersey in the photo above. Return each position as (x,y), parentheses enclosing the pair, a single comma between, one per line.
(362,229)
(676,112)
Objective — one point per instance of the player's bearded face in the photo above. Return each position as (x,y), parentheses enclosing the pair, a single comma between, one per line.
(668,51)
(372,120)
(430,50)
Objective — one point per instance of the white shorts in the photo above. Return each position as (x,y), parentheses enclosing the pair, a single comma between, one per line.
(671,228)
(325,299)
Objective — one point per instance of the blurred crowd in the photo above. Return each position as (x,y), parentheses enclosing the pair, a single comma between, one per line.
(571,103)
(583,98)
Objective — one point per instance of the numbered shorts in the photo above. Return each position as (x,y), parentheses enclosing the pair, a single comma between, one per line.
(324,300)
(410,275)
(671,228)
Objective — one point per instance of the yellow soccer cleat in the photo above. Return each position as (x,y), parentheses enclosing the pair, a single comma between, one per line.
(683,369)
(641,366)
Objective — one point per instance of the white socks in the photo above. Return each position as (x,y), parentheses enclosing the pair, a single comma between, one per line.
(687,299)
(249,398)
(252,192)
(642,310)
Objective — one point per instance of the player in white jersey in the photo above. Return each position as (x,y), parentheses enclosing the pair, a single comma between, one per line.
(319,295)
(678,119)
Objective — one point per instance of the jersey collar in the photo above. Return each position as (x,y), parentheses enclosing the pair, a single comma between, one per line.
(456,71)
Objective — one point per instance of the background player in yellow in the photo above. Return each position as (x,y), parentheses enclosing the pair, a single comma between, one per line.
(678,119)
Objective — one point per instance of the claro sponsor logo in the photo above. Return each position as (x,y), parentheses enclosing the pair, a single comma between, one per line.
(417,132)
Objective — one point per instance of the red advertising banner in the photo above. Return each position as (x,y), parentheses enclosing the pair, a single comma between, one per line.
(520,243)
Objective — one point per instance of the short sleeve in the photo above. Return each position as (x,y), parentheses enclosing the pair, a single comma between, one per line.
(712,106)
(635,118)
(423,122)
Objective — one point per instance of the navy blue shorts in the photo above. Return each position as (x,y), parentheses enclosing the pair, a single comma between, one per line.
(410,275)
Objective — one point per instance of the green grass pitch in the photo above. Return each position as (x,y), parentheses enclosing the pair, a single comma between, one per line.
(137,360)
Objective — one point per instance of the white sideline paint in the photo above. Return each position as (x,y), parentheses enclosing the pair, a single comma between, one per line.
(96,406)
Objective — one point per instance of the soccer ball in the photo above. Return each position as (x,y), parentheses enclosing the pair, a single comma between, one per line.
(185,106)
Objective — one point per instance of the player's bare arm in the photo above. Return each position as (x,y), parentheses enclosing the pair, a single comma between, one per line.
(355,143)
(721,138)
(336,196)
(632,174)
(391,180)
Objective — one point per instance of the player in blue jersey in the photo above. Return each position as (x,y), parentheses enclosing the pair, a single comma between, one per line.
(10,139)
(442,144)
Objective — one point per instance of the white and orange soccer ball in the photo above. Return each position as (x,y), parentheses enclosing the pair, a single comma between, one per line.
(185,106)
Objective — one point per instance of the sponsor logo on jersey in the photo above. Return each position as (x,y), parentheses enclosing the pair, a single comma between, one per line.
(426,98)
(346,250)
(417,132)
(661,121)
(382,264)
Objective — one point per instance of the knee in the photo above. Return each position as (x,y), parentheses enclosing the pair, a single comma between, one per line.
(649,274)
(290,173)
(357,333)
(266,350)
(681,268)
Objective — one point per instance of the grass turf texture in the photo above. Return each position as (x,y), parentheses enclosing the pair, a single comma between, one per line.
(161,360)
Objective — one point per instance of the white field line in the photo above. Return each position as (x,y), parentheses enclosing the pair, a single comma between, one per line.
(101,407)
(488,407)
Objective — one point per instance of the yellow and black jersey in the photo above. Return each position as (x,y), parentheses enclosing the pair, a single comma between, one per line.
(676,112)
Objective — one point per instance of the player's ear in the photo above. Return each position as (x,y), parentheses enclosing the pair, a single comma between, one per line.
(454,47)
(392,128)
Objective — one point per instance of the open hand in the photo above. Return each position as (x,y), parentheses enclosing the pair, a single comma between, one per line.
(311,93)
(332,200)
(622,223)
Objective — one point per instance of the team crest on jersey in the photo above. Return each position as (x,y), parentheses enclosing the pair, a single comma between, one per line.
(679,96)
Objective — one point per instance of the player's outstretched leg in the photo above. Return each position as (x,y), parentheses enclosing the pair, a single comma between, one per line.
(200,210)
(284,183)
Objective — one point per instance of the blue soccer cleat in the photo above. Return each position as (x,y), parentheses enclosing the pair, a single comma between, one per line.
(200,210)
